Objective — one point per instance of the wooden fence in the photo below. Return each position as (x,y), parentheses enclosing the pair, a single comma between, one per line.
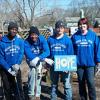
(24,33)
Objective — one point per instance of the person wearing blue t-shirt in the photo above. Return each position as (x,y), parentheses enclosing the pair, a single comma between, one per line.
(36,50)
(60,44)
(87,48)
(11,55)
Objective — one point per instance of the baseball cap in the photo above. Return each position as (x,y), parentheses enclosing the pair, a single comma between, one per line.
(59,24)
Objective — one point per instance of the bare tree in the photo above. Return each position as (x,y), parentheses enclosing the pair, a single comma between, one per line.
(91,8)
(5,13)
(24,10)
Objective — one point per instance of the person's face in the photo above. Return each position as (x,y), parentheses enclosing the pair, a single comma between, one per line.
(83,27)
(0,36)
(13,32)
(34,37)
(60,30)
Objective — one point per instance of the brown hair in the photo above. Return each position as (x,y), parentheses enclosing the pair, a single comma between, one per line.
(83,21)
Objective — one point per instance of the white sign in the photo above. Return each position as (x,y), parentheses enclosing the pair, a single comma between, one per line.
(65,63)
(73,30)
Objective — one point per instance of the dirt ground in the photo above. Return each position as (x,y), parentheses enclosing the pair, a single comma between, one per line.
(46,86)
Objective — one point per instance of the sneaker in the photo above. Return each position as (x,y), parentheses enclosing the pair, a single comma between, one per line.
(31,97)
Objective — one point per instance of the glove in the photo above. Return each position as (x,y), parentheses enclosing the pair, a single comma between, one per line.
(13,73)
(34,62)
(49,61)
(65,71)
(16,67)
(98,69)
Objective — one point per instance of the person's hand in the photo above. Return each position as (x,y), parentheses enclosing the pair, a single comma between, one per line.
(13,73)
(98,69)
(49,61)
(16,67)
(34,62)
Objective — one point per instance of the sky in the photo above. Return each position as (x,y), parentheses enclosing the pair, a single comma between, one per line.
(50,4)
(46,5)
(64,4)
(58,3)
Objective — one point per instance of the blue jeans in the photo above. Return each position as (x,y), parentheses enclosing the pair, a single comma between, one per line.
(54,85)
(86,75)
(34,82)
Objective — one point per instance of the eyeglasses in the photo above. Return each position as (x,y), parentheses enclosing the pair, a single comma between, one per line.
(83,26)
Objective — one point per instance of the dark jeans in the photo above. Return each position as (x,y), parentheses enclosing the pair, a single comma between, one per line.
(12,88)
(86,75)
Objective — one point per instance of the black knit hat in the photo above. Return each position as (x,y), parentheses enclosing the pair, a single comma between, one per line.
(59,24)
(33,30)
(12,25)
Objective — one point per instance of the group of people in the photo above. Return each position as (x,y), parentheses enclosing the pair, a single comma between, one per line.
(38,51)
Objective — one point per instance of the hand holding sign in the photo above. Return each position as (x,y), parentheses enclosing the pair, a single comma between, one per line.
(49,61)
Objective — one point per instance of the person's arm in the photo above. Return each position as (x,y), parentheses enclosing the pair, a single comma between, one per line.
(97,49)
(70,50)
(27,50)
(73,43)
(97,52)
(46,51)
(3,62)
(21,52)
